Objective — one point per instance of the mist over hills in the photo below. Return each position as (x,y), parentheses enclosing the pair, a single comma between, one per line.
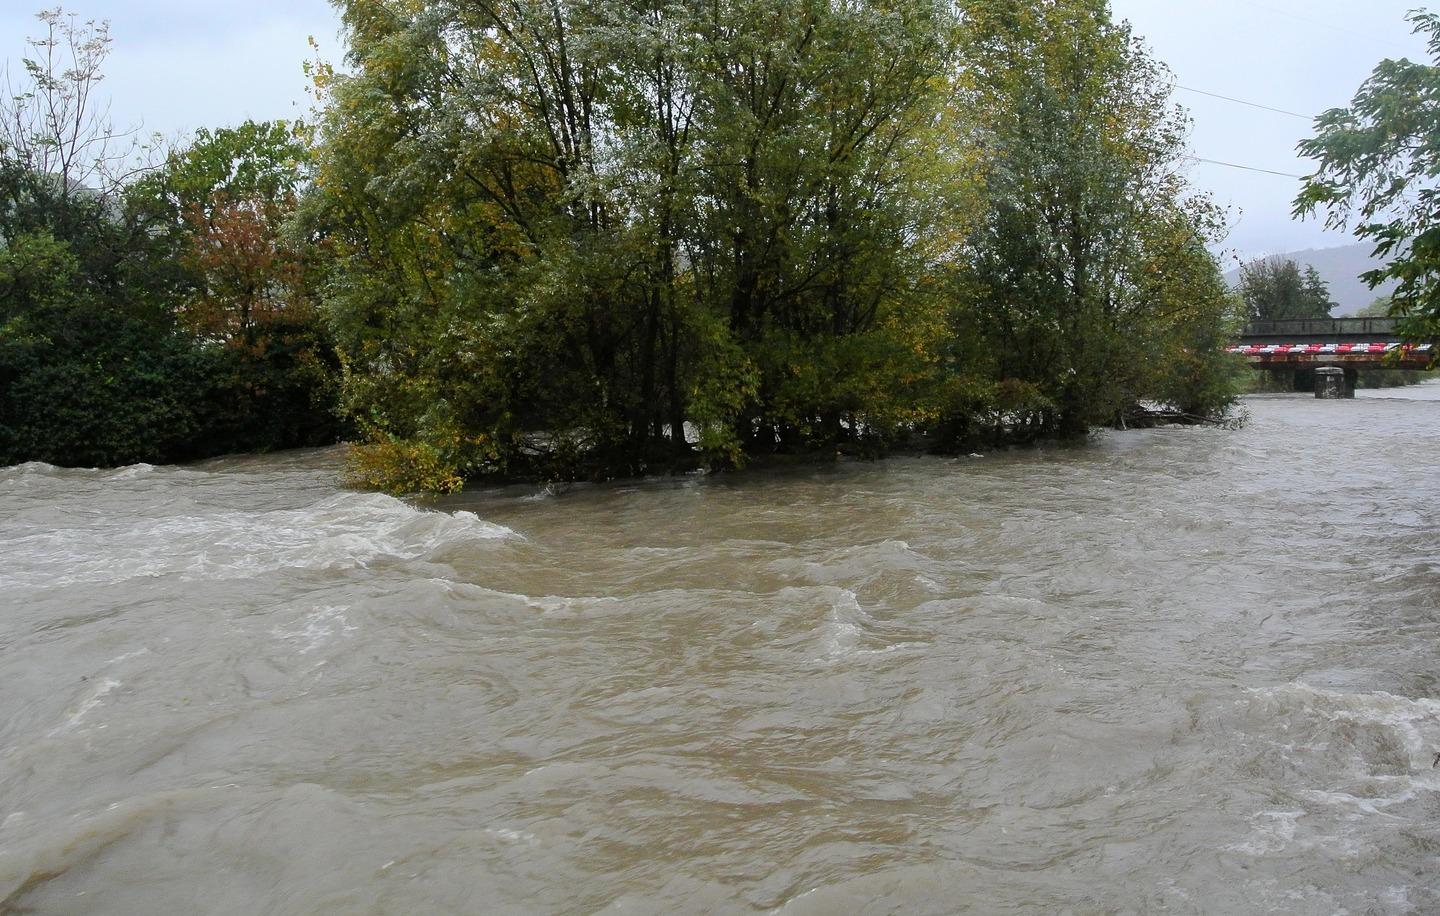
(1340,268)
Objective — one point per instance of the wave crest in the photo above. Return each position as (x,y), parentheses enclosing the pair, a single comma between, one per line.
(345,530)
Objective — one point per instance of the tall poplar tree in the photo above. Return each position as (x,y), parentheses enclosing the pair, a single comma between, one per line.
(1276,289)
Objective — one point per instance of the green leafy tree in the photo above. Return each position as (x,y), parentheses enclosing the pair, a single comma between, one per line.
(566,233)
(1379,307)
(1089,268)
(1276,289)
(82,382)
(1377,162)
(222,205)
(90,369)
(582,239)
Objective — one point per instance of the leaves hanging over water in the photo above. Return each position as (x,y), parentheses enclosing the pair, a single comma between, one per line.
(1378,159)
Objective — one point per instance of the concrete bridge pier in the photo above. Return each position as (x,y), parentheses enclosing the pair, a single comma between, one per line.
(1334,383)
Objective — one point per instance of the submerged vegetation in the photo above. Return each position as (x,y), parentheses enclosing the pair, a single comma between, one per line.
(573,240)
(554,239)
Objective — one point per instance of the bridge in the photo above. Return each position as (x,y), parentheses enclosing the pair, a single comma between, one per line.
(1349,343)
(1328,353)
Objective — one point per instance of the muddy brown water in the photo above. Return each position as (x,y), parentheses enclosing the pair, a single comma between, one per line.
(1185,671)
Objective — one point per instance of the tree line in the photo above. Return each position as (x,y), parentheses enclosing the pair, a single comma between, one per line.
(149,310)
(554,239)
(577,239)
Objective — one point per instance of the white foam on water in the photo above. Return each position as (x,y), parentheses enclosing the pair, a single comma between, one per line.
(128,655)
(518,837)
(1367,806)
(33,472)
(548,491)
(324,625)
(929,584)
(346,530)
(1272,832)
(558,606)
(848,627)
(1406,717)
(848,632)
(842,629)
(28,469)
(657,551)
(1415,722)
(132,472)
(77,715)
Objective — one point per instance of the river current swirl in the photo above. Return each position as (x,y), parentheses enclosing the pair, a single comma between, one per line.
(1181,670)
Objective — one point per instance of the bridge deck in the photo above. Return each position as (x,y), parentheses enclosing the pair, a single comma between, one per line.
(1359,343)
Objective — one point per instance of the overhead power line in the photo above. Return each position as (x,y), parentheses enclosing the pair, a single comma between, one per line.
(1236,165)
(1216,95)
(1247,168)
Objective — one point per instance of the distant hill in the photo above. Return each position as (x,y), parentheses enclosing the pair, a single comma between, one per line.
(1341,269)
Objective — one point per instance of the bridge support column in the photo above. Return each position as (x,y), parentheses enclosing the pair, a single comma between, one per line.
(1352,381)
(1330,384)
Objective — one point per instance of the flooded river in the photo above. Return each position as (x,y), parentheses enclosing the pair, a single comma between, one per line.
(1185,671)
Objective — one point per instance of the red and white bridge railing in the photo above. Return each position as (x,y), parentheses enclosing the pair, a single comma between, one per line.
(1325,349)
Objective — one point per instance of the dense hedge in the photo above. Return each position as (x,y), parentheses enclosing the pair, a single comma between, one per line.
(102,361)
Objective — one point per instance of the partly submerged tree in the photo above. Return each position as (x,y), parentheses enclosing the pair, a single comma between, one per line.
(1090,263)
(567,233)
(1277,289)
(1377,174)
(607,237)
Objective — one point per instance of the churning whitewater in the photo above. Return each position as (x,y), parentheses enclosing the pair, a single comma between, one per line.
(1189,671)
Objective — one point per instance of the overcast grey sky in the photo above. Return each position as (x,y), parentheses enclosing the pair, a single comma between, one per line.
(1302,56)
(182,64)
